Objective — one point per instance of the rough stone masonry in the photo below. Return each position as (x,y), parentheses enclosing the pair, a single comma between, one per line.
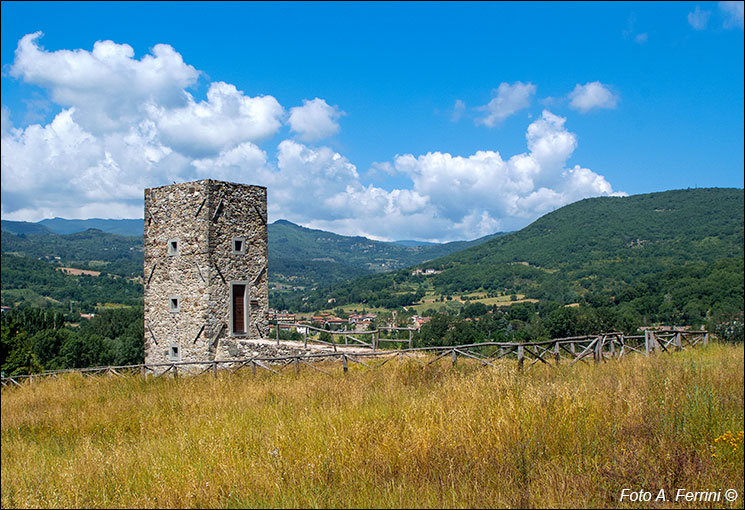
(205,270)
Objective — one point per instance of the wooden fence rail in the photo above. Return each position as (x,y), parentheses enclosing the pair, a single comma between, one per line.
(599,348)
(375,338)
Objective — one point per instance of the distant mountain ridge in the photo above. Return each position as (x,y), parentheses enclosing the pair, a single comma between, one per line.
(24,228)
(593,246)
(410,243)
(126,227)
(304,257)
(299,257)
(61,226)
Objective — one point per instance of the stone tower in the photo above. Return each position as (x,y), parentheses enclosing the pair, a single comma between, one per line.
(205,269)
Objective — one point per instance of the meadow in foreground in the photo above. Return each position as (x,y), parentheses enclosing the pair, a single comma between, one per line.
(397,436)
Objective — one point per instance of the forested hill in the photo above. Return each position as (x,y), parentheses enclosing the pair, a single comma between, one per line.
(595,246)
(127,228)
(92,249)
(681,226)
(300,256)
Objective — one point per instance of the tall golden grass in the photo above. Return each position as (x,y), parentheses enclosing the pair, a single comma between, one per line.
(397,436)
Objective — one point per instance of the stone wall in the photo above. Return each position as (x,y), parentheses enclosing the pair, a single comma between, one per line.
(238,211)
(232,348)
(202,218)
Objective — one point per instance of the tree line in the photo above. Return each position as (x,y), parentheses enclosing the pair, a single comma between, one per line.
(29,279)
(34,339)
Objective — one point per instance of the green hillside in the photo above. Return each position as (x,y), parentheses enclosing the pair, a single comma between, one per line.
(304,257)
(37,283)
(600,250)
(600,243)
(593,249)
(24,228)
(673,258)
(128,228)
(120,227)
(91,249)
(299,257)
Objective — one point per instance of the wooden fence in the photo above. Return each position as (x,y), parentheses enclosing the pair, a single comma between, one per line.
(375,338)
(598,348)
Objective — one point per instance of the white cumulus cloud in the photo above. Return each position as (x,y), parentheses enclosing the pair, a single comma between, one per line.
(508,100)
(124,124)
(485,192)
(733,12)
(226,119)
(458,110)
(62,170)
(592,95)
(139,127)
(698,19)
(107,86)
(315,120)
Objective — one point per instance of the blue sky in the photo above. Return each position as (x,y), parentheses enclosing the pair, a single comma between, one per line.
(431,121)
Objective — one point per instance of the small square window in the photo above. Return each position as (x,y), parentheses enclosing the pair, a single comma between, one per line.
(173,247)
(174,353)
(173,304)
(239,245)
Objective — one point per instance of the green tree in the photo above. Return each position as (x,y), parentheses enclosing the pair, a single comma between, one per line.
(562,322)
(325,336)
(46,345)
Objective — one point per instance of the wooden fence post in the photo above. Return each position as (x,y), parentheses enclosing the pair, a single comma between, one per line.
(411,340)
(454,355)
(344,363)
(678,342)
(646,342)
(706,338)
(305,338)
(143,371)
(214,369)
(520,357)
(276,325)
(253,368)
(557,356)
(297,365)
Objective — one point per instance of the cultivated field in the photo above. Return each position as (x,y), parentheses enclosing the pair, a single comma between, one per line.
(396,436)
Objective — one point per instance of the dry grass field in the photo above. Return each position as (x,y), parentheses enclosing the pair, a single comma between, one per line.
(396,436)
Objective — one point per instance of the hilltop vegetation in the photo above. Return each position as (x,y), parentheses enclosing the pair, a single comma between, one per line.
(308,258)
(29,281)
(400,436)
(127,228)
(299,258)
(672,256)
(34,340)
(91,249)
(601,244)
